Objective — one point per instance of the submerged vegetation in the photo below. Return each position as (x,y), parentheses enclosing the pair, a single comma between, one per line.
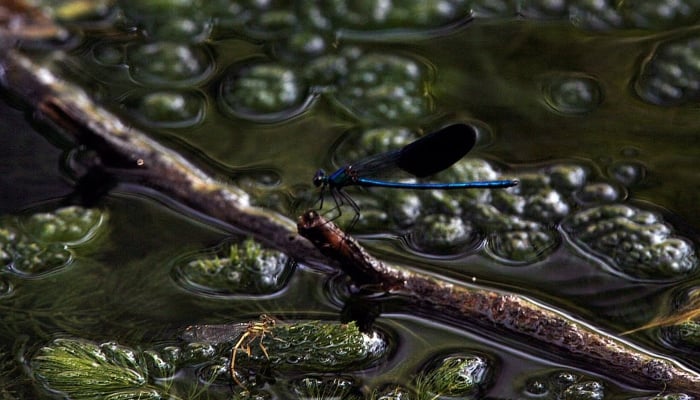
(237,268)
(179,123)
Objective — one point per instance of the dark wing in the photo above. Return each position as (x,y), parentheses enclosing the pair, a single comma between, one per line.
(436,151)
(378,164)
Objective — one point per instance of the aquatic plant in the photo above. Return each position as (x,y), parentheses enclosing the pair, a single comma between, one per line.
(84,370)
(238,268)
(632,241)
(454,376)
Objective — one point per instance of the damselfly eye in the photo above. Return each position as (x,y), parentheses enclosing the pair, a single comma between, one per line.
(319,178)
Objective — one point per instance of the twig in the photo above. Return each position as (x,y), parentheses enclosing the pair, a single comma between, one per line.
(502,313)
(143,159)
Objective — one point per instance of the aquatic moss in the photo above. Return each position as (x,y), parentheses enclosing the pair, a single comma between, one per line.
(392,392)
(586,390)
(672,75)
(672,396)
(315,346)
(245,268)
(565,385)
(257,91)
(454,376)
(440,233)
(634,241)
(386,87)
(68,225)
(42,242)
(685,334)
(84,370)
(283,348)
(22,255)
(320,388)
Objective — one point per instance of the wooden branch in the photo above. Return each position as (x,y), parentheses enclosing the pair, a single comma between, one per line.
(502,313)
(139,158)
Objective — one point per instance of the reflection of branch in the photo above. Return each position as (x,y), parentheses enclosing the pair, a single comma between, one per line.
(137,155)
(504,313)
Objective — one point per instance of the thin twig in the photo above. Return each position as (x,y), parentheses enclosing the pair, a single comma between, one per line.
(502,313)
(141,159)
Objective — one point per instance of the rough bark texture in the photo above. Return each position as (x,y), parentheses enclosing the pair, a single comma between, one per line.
(503,313)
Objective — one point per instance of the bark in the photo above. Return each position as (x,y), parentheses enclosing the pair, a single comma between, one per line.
(503,313)
(130,155)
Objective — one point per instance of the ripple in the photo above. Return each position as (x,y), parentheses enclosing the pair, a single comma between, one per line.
(6,287)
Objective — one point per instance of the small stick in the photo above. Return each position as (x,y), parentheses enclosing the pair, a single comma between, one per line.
(502,313)
(133,156)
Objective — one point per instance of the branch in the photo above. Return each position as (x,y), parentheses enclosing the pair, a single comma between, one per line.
(143,159)
(502,313)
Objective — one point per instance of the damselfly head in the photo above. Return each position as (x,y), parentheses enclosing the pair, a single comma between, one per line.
(320,178)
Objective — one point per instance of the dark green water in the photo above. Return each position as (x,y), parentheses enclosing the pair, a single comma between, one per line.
(263,102)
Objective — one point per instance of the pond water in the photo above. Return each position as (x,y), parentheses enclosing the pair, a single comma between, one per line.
(594,109)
